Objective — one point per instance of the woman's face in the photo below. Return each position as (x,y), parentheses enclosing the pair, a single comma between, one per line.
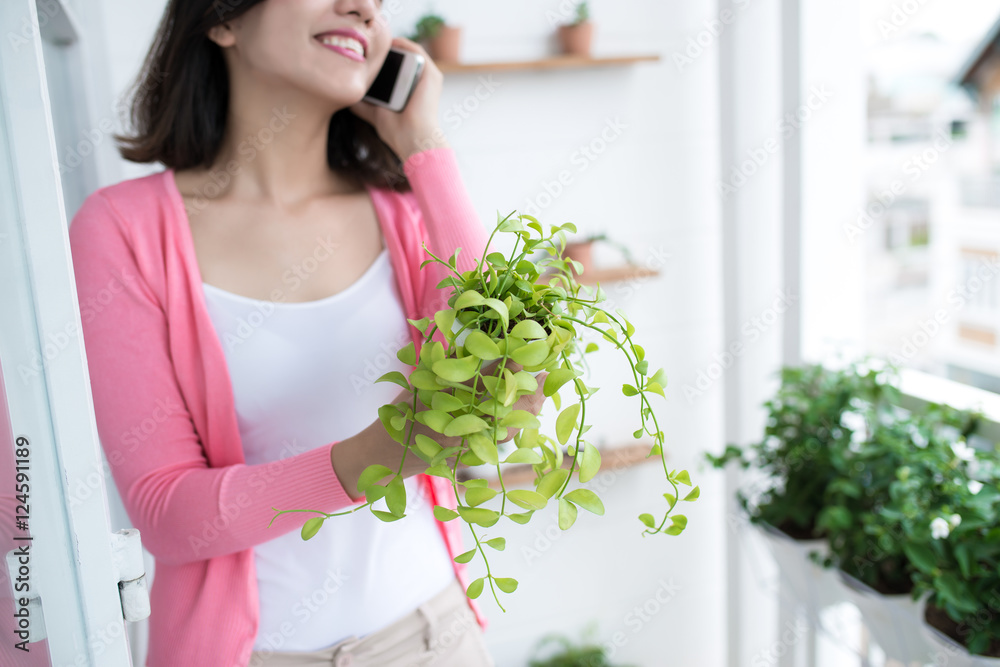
(332,49)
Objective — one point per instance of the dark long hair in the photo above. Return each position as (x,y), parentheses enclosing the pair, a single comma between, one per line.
(180,101)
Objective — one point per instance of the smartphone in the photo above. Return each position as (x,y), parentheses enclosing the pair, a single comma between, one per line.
(396,80)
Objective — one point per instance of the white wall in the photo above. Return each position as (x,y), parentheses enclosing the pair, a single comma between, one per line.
(654,189)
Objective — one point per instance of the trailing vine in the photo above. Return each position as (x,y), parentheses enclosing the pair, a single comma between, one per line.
(511,310)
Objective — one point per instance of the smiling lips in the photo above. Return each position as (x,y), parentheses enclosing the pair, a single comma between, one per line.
(348,43)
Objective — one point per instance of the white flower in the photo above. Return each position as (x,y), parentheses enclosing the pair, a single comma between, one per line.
(917,437)
(954,520)
(975,487)
(856,423)
(940,528)
(963,451)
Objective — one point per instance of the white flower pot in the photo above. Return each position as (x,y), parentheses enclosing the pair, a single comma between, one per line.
(894,621)
(943,651)
(811,584)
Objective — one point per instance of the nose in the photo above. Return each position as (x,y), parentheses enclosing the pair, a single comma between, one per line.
(366,10)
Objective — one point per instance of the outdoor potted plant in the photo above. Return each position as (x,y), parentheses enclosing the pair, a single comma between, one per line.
(864,523)
(497,312)
(562,652)
(953,543)
(576,37)
(811,422)
(442,41)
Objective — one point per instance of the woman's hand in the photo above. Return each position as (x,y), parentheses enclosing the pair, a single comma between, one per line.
(373,445)
(415,128)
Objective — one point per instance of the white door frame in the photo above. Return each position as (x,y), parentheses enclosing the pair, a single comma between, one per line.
(76,562)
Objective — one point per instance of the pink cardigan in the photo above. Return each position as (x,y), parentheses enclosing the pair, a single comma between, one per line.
(164,401)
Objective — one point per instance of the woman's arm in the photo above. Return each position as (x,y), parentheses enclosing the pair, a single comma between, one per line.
(185,510)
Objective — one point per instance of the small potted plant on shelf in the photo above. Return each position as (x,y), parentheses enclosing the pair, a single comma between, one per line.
(442,41)
(582,250)
(576,37)
(502,314)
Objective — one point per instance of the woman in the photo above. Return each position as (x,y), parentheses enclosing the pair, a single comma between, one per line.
(237,307)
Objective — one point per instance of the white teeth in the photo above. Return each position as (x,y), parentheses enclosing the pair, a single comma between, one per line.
(344,42)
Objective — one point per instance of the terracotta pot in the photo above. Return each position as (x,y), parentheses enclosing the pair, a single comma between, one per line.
(446,46)
(575,40)
(581,251)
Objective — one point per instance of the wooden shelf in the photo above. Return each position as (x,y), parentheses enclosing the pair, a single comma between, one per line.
(612,458)
(551,62)
(615,274)
(608,275)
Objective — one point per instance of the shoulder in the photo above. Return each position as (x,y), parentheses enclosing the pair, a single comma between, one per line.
(126,203)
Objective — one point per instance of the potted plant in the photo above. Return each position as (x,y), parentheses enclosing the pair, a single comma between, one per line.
(952,539)
(582,250)
(500,312)
(564,653)
(811,422)
(442,41)
(576,37)
(864,523)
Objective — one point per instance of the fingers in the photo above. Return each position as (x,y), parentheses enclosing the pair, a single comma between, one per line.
(409,45)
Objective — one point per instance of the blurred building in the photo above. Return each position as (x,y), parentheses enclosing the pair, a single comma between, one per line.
(973,241)
(931,227)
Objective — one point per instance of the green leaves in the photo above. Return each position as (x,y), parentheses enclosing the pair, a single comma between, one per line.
(586,499)
(531,354)
(312,526)
(444,514)
(529,500)
(479,515)
(508,315)
(566,422)
(478,496)
(482,346)
(468,299)
(407,354)
(372,474)
(528,329)
(497,543)
(465,557)
(395,496)
(567,514)
(444,319)
(475,589)
(434,419)
(505,584)
(552,481)
(484,448)
(520,419)
(590,462)
(457,370)
(524,455)
(556,379)
(396,377)
(465,425)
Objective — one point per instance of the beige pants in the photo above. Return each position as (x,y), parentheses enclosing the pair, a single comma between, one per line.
(442,632)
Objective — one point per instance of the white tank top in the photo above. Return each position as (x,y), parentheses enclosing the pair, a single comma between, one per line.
(303,376)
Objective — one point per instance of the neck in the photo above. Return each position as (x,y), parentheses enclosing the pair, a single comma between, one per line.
(275,146)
